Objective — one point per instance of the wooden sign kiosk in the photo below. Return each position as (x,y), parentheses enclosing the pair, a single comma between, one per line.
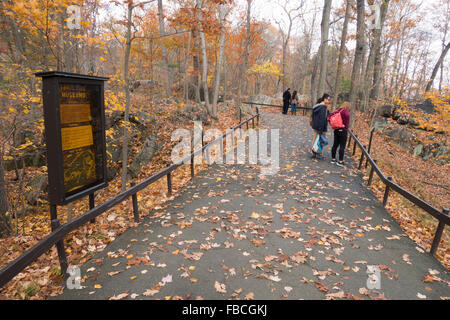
(74,121)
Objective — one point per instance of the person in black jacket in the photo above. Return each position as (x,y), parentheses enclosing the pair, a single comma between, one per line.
(286,100)
(320,119)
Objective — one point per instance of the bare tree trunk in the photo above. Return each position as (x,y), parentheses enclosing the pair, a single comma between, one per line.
(341,53)
(405,74)
(325,29)
(378,63)
(126,119)
(204,60)
(60,61)
(196,67)
(222,15)
(314,80)
(374,62)
(359,55)
(16,39)
(186,75)
(398,67)
(292,14)
(5,220)
(247,48)
(91,62)
(436,67)
(167,84)
(284,67)
(225,78)
(151,59)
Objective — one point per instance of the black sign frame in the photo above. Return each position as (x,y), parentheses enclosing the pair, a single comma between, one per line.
(51,92)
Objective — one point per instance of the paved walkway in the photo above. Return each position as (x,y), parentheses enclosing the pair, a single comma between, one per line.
(309,232)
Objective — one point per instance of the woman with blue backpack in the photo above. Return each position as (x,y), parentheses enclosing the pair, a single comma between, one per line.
(319,123)
(339,122)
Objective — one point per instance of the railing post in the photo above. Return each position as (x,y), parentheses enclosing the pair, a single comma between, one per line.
(203,135)
(240,115)
(361,159)
(135,205)
(169,184)
(370,144)
(386,193)
(60,244)
(371,173)
(221,147)
(349,140)
(438,234)
(257,110)
(92,204)
(192,157)
(192,166)
(354,146)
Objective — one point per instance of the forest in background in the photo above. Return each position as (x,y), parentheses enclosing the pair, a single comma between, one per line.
(163,56)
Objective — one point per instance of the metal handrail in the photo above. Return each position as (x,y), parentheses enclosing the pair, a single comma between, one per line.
(58,233)
(273,105)
(442,216)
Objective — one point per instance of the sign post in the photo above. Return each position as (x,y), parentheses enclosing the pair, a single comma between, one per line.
(74,119)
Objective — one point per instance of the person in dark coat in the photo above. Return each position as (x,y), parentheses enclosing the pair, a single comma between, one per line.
(294,103)
(286,100)
(320,119)
(340,136)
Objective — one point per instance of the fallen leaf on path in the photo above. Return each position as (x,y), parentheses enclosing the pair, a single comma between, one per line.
(220,287)
(120,296)
(150,292)
(167,279)
(249,296)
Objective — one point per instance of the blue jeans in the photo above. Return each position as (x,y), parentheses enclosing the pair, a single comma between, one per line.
(294,108)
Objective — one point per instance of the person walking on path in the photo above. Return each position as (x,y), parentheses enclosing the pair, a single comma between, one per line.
(319,121)
(286,100)
(294,103)
(340,134)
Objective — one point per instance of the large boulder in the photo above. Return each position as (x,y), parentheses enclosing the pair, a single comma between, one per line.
(380,123)
(192,112)
(400,136)
(247,110)
(418,150)
(385,111)
(35,188)
(261,98)
(426,106)
(144,156)
(435,150)
(396,114)
(403,120)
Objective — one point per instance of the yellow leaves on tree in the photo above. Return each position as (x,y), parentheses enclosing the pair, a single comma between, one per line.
(439,120)
(265,68)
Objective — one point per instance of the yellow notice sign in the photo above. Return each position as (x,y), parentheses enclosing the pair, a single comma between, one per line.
(76,137)
(75,113)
